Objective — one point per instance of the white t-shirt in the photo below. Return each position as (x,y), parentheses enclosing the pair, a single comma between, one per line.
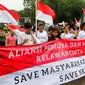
(81,35)
(24,36)
(67,36)
(42,36)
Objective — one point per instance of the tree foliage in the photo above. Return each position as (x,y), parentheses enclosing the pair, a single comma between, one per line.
(70,9)
(21,12)
(29,9)
(65,9)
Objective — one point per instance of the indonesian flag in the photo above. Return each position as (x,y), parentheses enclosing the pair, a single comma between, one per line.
(83,11)
(83,19)
(45,13)
(77,23)
(8,16)
(15,27)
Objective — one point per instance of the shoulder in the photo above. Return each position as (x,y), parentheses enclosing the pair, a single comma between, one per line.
(23,34)
(62,34)
(15,37)
(45,32)
(38,31)
(7,37)
(73,35)
(81,32)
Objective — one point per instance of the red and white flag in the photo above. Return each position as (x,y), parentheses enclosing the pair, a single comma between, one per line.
(83,19)
(52,63)
(8,16)
(15,27)
(45,13)
(77,23)
(83,11)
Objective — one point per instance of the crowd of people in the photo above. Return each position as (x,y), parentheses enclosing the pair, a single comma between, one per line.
(28,37)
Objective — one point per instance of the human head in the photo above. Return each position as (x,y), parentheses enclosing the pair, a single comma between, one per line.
(50,29)
(40,26)
(82,26)
(28,27)
(11,32)
(66,29)
(56,32)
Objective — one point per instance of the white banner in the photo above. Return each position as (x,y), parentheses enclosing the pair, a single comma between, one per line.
(52,63)
(49,74)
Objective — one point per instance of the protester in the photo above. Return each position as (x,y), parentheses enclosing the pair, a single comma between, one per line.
(68,33)
(50,32)
(71,24)
(2,37)
(11,40)
(41,34)
(55,34)
(81,34)
(27,38)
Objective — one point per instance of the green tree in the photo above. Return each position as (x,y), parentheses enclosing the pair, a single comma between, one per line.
(29,9)
(70,9)
(21,12)
(65,9)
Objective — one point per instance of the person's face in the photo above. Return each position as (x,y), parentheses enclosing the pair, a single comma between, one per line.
(12,33)
(66,30)
(28,30)
(50,32)
(40,27)
(55,33)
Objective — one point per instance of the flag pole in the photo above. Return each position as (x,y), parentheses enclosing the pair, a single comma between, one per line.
(36,17)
